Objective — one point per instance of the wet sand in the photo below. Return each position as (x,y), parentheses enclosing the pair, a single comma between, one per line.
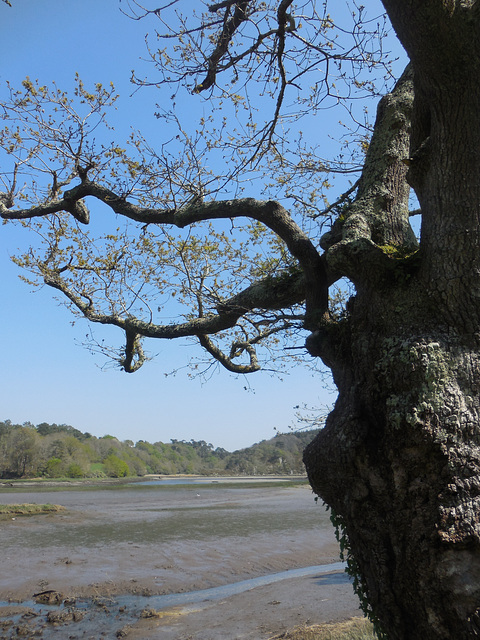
(147,541)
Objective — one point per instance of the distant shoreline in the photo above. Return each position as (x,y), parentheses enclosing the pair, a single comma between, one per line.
(6,483)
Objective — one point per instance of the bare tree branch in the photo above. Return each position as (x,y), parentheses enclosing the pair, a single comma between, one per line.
(214,351)
(230,26)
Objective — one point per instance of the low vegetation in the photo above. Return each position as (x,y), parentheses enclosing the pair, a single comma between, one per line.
(28,509)
(355,629)
(61,451)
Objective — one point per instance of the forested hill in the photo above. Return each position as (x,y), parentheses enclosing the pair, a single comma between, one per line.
(55,451)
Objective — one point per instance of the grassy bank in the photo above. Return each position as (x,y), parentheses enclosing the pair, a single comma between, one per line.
(355,629)
(28,509)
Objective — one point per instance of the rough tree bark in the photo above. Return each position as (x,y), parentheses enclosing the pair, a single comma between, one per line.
(399,458)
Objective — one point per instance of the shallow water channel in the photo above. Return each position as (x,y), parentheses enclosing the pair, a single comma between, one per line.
(107,617)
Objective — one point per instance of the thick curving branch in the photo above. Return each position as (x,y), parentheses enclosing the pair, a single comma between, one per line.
(270,213)
(366,242)
(226,361)
(134,355)
(379,214)
(228,312)
(239,347)
(272,293)
(262,295)
(212,323)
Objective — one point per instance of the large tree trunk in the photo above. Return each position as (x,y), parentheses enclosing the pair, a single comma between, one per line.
(399,460)
(399,457)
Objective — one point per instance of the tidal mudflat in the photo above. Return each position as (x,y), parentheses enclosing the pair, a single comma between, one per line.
(140,541)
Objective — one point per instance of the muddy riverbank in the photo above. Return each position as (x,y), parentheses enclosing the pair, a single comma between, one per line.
(143,541)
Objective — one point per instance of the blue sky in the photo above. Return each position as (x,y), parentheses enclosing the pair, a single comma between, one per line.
(45,374)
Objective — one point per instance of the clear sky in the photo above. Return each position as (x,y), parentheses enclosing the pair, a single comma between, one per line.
(46,376)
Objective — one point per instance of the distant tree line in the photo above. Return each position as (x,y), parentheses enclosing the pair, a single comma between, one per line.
(56,451)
